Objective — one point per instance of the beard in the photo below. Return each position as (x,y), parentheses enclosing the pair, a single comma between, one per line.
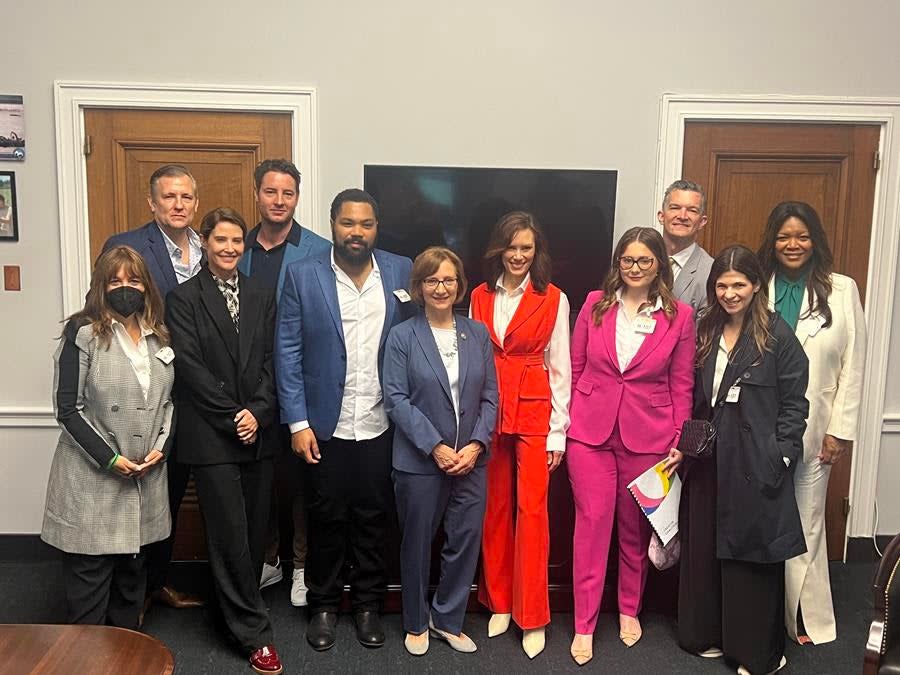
(358,256)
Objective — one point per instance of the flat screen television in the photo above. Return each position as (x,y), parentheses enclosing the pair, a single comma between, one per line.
(457,207)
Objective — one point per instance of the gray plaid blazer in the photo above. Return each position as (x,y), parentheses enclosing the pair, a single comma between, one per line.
(90,509)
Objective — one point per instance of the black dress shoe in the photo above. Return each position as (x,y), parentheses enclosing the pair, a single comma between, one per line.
(320,632)
(368,628)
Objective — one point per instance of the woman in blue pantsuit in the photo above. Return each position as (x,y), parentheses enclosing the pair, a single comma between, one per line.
(440,391)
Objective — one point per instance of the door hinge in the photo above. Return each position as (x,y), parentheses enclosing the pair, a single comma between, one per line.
(876,163)
(845,506)
(88,146)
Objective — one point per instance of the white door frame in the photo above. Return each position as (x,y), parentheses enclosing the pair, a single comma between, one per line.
(675,110)
(73,97)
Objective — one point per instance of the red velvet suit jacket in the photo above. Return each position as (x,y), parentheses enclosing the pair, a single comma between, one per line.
(650,399)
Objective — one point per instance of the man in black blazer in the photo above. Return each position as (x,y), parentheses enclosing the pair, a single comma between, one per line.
(172,252)
(222,325)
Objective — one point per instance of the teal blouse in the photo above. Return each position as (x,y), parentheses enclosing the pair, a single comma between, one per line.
(789,298)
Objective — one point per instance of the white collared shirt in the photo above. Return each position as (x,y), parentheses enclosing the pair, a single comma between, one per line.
(679,260)
(138,354)
(721,365)
(557,358)
(628,340)
(184,272)
(362,319)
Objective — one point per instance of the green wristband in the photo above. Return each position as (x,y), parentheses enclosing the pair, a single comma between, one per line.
(112,461)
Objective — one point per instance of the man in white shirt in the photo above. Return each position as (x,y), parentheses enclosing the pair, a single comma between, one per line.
(682,216)
(171,249)
(335,311)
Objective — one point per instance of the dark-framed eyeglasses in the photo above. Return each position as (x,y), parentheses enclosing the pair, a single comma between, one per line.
(449,283)
(626,262)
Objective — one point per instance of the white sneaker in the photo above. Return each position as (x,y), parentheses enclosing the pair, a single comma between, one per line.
(298,588)
(743,671)
(271,574)
(711,653)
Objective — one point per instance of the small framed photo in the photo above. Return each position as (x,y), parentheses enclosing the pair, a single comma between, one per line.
(9,222)
(12,128)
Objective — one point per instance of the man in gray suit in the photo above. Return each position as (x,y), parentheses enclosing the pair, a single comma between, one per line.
(682,216)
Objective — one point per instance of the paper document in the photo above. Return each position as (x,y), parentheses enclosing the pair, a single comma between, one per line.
(658,495)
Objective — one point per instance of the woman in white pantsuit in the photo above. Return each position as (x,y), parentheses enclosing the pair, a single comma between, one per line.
(825,311)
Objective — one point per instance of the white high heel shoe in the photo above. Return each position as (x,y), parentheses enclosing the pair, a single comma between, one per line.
(498,624)
(533,641)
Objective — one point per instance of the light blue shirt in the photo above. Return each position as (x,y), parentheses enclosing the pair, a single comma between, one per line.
(184,272)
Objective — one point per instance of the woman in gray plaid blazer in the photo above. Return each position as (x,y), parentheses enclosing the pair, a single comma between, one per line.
(107,495)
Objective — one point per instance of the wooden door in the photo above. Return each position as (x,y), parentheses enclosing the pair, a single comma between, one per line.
(221,150)
(749,167)
(124,147)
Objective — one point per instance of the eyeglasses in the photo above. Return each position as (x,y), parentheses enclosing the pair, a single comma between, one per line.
(626,262)
(431,283)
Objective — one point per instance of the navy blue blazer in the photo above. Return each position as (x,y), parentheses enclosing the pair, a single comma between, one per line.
(310,244)
(310,354)
(148,241)
(417,392)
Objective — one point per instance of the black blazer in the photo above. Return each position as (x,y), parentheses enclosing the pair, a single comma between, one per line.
(757,517)
(219,371)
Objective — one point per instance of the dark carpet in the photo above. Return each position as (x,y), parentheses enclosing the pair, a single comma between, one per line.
(32,593)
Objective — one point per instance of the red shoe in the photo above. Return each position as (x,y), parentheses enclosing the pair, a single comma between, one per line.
(265,660)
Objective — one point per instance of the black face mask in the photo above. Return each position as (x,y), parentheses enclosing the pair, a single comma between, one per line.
(125,300)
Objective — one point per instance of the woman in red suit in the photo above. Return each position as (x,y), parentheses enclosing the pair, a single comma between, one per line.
(632,371)
(528,321)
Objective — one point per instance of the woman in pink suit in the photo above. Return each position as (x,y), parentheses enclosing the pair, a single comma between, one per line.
(632,375)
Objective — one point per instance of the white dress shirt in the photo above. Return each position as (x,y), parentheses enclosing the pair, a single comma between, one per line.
(721,365)
(679,260)
(557,358)
(184,272)
(137,354)
(445,339)
(628,340)
(362,319)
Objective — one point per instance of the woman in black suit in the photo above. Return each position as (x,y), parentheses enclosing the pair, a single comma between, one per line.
(739,518)
(222,325)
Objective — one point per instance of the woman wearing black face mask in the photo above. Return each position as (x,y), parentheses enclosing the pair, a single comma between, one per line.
(107,496)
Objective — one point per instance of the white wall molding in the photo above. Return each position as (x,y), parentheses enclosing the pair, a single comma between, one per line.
(35,417)
(675,110)
(72,97)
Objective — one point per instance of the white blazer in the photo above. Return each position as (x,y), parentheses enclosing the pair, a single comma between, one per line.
(836,358)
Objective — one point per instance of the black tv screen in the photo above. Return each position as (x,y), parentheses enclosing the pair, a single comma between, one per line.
(421,206)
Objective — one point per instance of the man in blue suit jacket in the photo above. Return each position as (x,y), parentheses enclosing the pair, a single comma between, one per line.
(277,241)
(334,315)
(173,255)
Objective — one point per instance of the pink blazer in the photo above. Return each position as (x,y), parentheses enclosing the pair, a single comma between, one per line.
(651,399)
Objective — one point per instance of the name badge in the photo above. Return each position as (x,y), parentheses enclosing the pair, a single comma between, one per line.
(402,295)
(166,355)
(734,393)
(644,325)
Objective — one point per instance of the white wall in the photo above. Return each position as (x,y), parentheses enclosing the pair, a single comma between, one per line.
(511,83)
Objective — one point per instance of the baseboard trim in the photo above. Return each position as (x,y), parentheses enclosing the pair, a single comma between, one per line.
(26,548)
(861,549)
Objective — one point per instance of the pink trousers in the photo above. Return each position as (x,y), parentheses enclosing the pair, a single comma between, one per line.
(599,476)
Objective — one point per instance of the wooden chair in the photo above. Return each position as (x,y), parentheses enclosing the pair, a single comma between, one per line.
(38,649)
(883,646)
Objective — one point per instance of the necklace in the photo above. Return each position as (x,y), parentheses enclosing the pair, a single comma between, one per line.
(454,348)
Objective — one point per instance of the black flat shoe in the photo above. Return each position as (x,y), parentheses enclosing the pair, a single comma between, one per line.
(320,632)
(368,628)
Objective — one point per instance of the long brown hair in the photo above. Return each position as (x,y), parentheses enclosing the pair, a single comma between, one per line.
(661,285)
(821,264)
(713,317)
(501,237)
(96,308)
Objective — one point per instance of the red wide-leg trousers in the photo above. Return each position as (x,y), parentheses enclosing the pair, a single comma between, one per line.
(515,542)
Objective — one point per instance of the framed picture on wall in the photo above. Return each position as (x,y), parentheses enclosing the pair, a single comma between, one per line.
(12,127)
(9,223)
